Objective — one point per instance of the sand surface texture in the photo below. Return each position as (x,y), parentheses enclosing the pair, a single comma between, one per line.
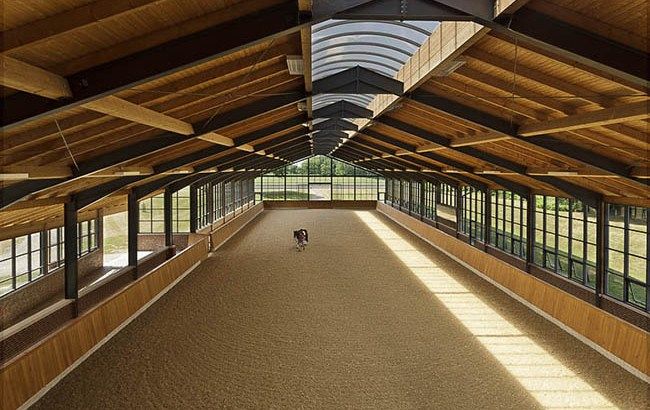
(346,324)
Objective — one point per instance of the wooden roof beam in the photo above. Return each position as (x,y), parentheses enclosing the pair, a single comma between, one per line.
(607,116)
(502,126)
(161,60)
(15,192)
(20,172)
(217,139)
(34,80)
(478,139)
(120,108)
(430,147)
(501,164)
(31,79)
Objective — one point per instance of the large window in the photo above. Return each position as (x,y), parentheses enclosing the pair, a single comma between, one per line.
(28,257)
(405,190)
(319,178)
(343,188)
(508,222)
(415,197)
(55,248)
(565,238)
(20,261)
(202,211)
(228,197)
(87,237)
(429,200)
(446,208)
(273,185)
(237,194)
(627,254)
(218,205)
(472,221)
(448,195)
(397,192)
(181,210)
(152,212)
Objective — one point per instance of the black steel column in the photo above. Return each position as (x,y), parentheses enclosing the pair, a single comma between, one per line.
(422,199)
(168,218)
(71,242)
(487,216)
(45,252)
(601,243)
(647,265)
(133,225)
(209,203)
(193,208)
(100,229)
(530,230)
(459,208)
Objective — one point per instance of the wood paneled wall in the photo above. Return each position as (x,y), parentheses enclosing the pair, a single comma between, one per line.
(321,204)
(28,373)
(622,339)
(228,229)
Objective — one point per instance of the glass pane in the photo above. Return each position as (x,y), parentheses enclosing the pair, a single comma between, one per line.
(36,260)
(637,294)
(5,249)
(615,261)
(5,269)
(35,240)
(21,245)
(615,285)
(616,238)
(21,264)
(637,268)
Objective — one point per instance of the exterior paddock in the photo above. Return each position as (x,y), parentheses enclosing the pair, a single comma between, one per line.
(348,324)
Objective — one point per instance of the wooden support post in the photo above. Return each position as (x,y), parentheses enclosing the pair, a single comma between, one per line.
(193,208)
(169,238)
(530,231)
(133,225)
(601,253)
(71,242)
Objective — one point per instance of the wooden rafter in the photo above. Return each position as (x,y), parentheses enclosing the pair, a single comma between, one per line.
(607,116)
(32,79)
(120,108)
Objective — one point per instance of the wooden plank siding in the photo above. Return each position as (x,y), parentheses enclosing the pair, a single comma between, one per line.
(28,373)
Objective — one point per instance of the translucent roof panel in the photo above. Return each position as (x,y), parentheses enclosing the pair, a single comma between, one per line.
(381,46)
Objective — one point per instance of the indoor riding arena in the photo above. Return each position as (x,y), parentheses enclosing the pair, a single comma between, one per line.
(376,204)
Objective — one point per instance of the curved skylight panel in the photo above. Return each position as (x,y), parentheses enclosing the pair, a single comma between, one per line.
(381,46)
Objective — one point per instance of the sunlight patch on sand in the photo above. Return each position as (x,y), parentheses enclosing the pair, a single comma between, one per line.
(551,383)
